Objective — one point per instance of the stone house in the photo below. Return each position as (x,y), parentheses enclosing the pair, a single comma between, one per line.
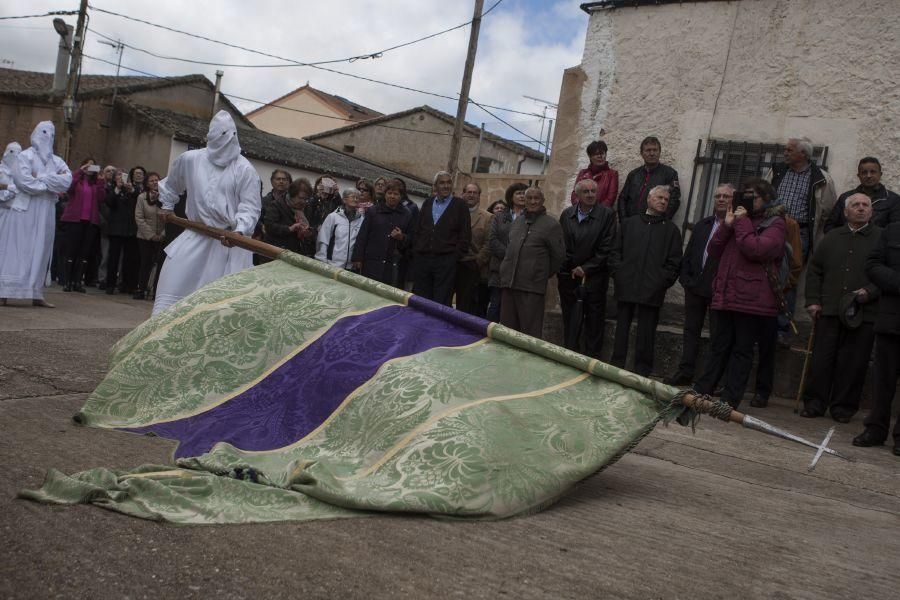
(155,119)
(724,83)
(417,141)
(306,111)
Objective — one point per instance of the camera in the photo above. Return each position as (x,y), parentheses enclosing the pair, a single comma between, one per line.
(745,199)
(93,169)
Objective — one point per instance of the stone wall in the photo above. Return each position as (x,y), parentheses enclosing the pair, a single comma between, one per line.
(760,70)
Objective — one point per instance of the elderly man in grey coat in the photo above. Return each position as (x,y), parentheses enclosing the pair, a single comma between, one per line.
(535,252)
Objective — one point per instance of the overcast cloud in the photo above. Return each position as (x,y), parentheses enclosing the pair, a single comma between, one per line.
(523,49)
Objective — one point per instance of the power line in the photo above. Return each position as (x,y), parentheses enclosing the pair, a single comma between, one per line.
(52,13)
(295,63)
(297,110)
(369,55)
(516,129)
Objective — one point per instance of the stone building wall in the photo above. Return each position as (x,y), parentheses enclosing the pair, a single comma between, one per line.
(754,70)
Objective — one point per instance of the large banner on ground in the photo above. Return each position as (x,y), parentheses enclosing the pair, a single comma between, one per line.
(296,391)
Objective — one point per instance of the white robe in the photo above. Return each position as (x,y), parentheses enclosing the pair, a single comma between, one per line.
(27,228)
(225,197)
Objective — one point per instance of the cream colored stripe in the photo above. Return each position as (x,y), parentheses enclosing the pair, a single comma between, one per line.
(165,474)
(425,426)
(358,391)
(266,373)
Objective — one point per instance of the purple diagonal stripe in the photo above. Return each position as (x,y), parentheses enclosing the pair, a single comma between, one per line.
(300,394)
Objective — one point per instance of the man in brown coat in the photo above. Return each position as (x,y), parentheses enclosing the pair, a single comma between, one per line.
(472,269)
(536,251)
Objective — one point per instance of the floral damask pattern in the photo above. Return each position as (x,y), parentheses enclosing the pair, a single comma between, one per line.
(493,429)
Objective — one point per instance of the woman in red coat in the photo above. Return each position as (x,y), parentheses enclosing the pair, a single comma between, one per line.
(749,243)
(598,169)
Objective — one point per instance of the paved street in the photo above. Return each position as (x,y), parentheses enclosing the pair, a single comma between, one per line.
(723,513)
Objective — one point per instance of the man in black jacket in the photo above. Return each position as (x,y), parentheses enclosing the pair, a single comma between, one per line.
(697,273)
(644,264)
(589,231)
(840,356)
(633,198)
(883,269)
(885,203)
(441,238)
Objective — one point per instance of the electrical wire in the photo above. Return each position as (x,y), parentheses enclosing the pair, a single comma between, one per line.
(294,63)
(297,110)
(369,55)
(52,13)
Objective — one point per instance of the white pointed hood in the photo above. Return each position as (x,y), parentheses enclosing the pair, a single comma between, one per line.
(42,139)
(11,154)
(222,144)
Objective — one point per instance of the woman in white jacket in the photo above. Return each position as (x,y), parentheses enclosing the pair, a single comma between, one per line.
(338,231)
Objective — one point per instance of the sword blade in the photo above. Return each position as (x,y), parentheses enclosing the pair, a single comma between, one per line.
(760,425)
(821,449)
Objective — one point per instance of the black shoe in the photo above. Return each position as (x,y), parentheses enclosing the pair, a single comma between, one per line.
(138,296)
(101,285)
(110,291)
(759,402)
(896,450)
(841,418)
(809,413)
(679,379)
(868,438)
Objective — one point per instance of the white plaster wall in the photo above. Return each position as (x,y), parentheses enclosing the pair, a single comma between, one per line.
(825,69)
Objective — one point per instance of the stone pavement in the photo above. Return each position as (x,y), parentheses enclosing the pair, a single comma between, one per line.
(723,513)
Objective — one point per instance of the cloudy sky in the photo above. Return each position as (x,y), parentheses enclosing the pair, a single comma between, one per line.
(523,48)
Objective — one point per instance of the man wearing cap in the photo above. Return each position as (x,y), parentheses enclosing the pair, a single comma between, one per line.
(843,303)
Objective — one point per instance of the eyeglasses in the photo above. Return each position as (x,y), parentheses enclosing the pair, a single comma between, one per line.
(723,196)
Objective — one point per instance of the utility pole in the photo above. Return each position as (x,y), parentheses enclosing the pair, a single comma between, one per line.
(119,47)
(215,103)
(71,83)
(453,162)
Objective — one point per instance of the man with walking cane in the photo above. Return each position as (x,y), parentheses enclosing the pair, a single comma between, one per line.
(843,304)
(589,231)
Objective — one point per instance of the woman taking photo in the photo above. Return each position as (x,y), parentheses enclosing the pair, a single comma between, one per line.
(384,238)
(750,246)
(80,222)
(151,229)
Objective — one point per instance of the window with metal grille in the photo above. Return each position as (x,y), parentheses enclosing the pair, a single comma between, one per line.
(732,161)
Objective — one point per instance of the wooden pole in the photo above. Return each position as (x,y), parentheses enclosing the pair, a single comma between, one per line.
(809,347)
(236,239)
(71,82)
(453,162)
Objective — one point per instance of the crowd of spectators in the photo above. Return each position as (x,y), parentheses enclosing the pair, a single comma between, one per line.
(741,267)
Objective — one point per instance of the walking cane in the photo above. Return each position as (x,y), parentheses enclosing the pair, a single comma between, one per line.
(809,346)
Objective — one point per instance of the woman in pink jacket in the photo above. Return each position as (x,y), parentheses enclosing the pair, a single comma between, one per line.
(80,221)
(744,308)
(598,169)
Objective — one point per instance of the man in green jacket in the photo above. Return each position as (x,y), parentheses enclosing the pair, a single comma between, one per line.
(536,250)
(841,352)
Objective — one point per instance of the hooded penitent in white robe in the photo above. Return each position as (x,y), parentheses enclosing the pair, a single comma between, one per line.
(222,191)
(7,167)
(27,228)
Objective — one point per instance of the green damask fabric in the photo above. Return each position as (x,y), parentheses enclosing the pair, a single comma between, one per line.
(496,428)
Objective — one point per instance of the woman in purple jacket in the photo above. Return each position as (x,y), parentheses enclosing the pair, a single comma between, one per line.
(748,244)
(80,221)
